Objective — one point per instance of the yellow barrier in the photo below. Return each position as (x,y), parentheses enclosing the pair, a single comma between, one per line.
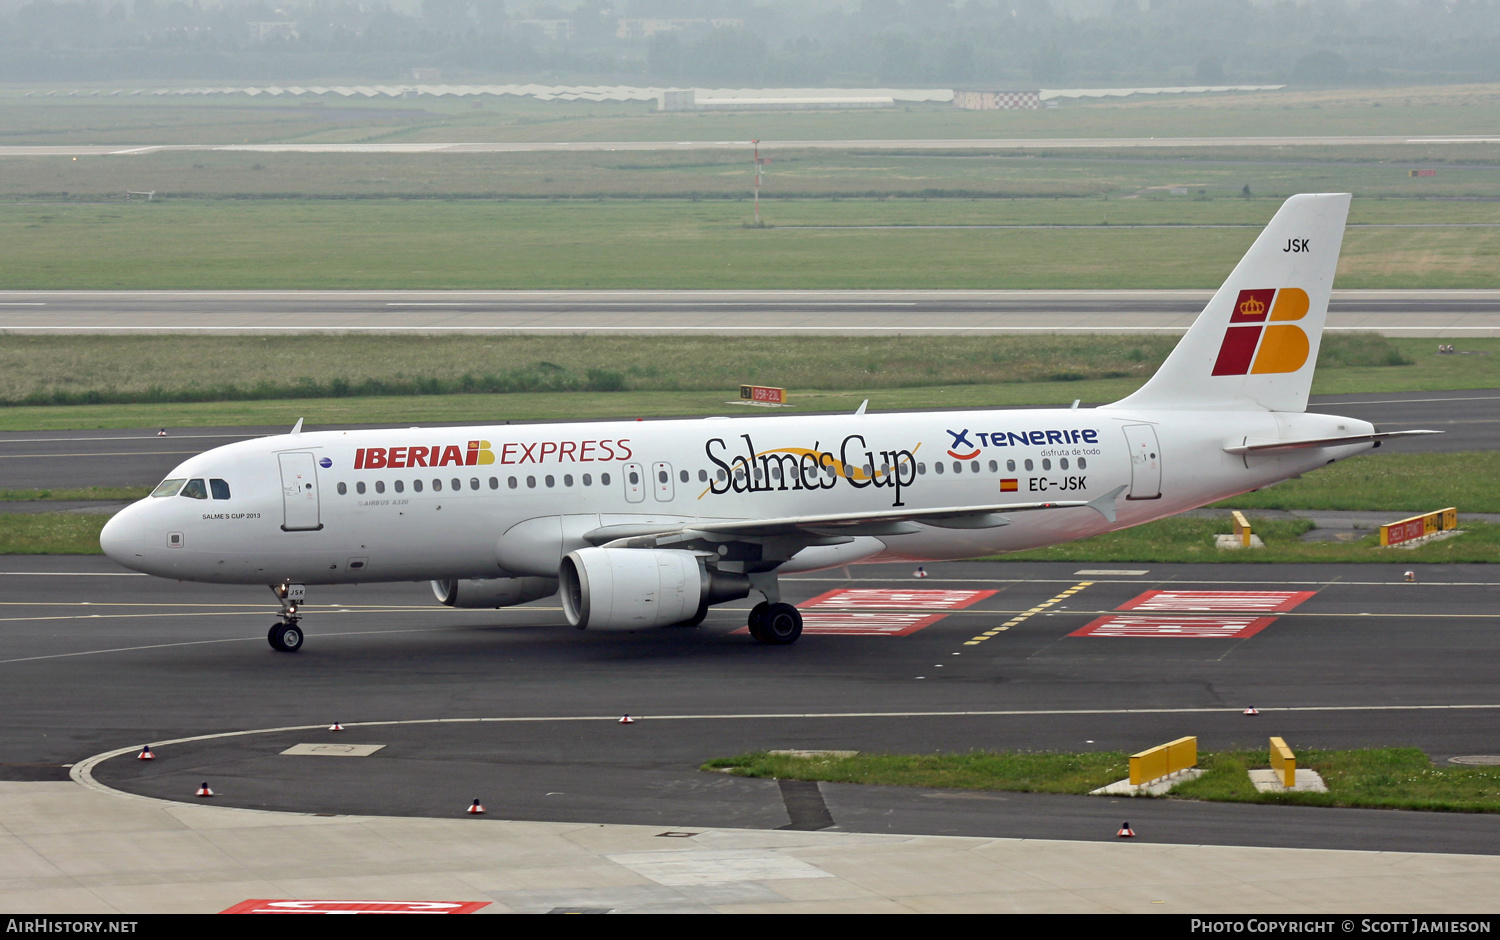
(1284,762)
(1241,528)
(1162,760)
(1417,527)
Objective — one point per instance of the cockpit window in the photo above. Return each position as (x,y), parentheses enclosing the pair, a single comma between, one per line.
(220,488)
(195,490)
(168,487)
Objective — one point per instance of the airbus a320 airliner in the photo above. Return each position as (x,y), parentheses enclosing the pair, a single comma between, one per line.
(648,524)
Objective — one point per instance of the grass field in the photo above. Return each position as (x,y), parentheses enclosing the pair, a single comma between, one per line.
(652,244)
(121,369)
(211,381)
(1373,172)
(1383,778)
(1190,540)
(677,219)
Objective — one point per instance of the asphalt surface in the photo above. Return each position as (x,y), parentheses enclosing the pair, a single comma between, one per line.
(1469,420)
(516,709)
(1426,313)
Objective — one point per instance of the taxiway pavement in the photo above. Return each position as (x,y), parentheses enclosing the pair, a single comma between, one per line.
(1424,313)
(516,709)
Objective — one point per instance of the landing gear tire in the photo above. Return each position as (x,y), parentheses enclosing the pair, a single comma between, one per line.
(285,637)
(757,614)
(777,625)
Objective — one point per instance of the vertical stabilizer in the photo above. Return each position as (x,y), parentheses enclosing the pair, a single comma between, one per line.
(1255,345)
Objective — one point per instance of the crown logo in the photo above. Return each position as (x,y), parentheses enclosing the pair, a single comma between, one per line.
(1252,307)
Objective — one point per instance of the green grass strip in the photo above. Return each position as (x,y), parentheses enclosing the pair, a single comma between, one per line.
(76,494)
(1189,540)
(50,533)
(1385,778)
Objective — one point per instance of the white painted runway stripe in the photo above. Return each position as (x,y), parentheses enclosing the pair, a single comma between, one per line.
(1193,627)
(1263,601)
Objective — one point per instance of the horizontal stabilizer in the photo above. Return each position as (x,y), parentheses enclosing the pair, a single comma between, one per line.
(1272,447)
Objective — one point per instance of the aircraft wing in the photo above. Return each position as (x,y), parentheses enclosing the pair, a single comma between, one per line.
(1271,447)
(893,521)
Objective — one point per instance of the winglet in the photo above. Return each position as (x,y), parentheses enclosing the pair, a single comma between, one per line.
(862,406)
(1105,505)
(297,428)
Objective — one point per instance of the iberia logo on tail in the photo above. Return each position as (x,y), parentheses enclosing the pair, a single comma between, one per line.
(1262,336)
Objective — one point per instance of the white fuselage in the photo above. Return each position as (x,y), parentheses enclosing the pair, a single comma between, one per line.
(504,501)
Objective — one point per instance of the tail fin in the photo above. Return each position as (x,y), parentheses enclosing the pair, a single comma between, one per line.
(1255,345)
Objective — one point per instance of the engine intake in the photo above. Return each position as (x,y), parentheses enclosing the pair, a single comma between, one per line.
(635,588)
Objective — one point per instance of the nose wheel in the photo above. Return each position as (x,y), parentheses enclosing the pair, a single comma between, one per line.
(285,637)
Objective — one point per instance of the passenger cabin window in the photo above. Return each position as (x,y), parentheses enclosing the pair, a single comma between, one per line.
(220,488)
(195,490)
(168,487)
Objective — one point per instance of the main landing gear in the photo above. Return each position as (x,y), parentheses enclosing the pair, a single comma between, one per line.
(775,624)
(286,635)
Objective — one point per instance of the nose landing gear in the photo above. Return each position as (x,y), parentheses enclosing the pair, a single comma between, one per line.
(285,635)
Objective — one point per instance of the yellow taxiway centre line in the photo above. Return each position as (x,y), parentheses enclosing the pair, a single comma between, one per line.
(1028,613)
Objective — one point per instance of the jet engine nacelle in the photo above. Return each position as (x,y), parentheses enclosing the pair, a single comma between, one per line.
(636,588)
(493,592)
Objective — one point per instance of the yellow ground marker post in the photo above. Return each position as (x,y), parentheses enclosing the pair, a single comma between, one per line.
(1241,528)
(1162,760)
(1284,762)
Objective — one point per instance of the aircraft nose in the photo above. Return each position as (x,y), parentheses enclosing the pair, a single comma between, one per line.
(123,537)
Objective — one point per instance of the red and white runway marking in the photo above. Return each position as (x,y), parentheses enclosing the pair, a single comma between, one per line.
(1223,627)
(926,600)
(868,612)
(271,906)
(1268,602)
